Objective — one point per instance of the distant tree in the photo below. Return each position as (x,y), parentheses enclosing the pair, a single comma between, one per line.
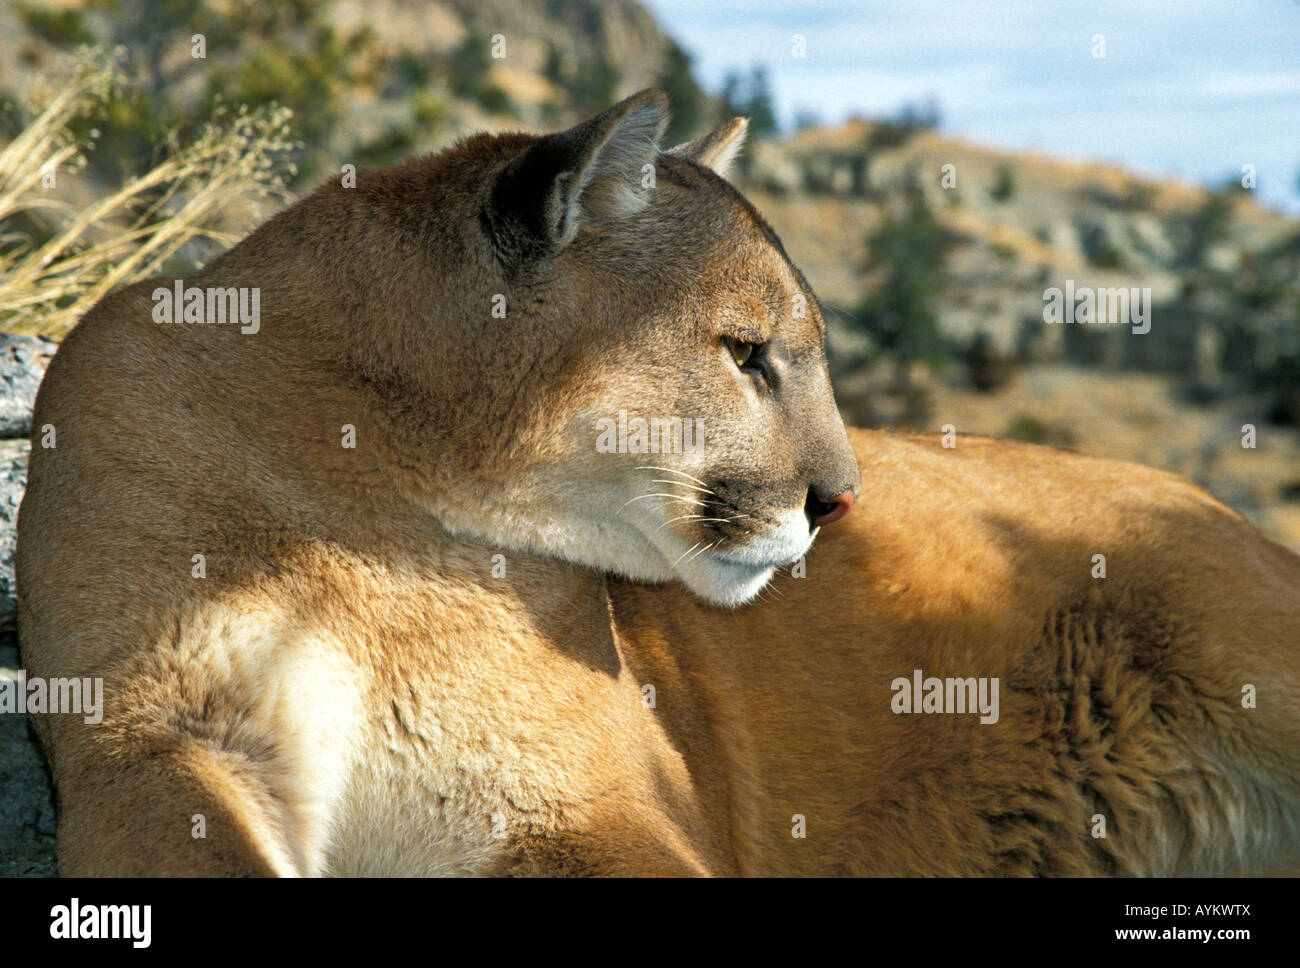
(1004,184)
(595,86)
(60,27)
(917,115)
(688,100)
(761,113)
(553,68)
(589,83)
(733,96)
(988,366)
(750,97)
(470,70)
(906,271)
(470,64)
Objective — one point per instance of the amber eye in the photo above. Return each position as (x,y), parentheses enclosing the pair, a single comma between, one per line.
(741,352)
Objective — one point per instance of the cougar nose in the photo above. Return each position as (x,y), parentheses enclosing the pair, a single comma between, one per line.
(827,512)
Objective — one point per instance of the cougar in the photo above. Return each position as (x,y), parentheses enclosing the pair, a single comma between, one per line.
(487,547)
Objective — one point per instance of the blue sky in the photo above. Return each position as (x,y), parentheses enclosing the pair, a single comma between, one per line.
(1193,88)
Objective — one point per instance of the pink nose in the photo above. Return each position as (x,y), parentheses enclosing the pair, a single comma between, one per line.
(835,508)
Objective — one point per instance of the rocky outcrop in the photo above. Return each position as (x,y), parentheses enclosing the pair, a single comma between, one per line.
(22,365)
(27,813)
(23,360)
(13,479)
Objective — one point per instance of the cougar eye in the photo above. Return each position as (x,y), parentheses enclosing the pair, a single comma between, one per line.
(741,352)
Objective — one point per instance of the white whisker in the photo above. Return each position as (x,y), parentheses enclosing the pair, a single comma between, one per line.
(702,551)
(684,517)
(685,553)
(704,490)
(672,470)
(675,497)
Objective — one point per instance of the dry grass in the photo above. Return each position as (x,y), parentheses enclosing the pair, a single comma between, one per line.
(207,190)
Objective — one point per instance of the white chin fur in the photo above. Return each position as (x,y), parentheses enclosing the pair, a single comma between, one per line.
(735,577)
(721,582)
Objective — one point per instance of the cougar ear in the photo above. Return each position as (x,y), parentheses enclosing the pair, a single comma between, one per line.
(591,171)
(718,148)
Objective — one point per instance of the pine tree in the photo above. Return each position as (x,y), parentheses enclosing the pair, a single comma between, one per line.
(907,256)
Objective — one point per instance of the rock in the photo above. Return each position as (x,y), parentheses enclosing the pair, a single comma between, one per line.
(23,360)
(13,480)
(27,813)
(47,825)
(28,819)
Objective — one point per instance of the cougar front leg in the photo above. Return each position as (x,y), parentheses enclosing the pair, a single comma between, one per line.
(179,811)
(224,757)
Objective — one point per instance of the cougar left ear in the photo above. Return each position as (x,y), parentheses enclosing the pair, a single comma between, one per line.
(718,148)
(592,171)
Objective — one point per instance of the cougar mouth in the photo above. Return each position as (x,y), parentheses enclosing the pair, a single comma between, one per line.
(733,575)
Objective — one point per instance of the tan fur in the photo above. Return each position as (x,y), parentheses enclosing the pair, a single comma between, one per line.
(355,688)
(1120,697)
